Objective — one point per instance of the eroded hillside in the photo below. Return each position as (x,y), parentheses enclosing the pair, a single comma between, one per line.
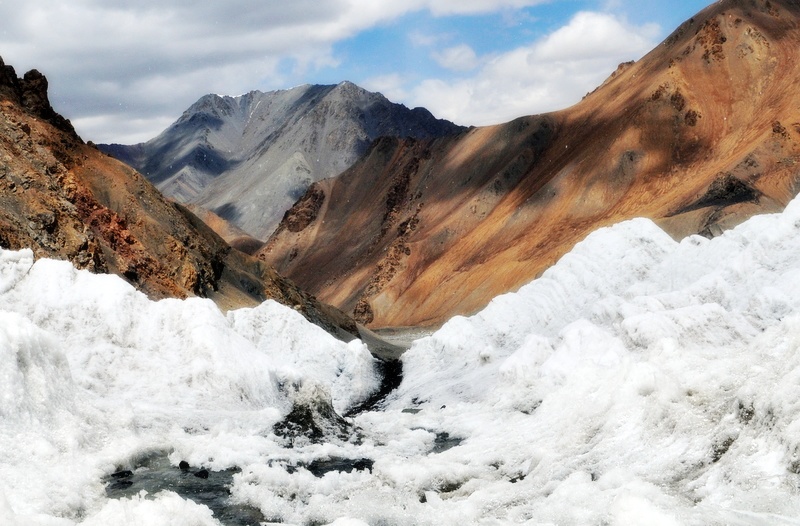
(698,135)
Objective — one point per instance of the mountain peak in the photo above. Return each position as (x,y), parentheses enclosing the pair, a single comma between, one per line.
(30,92)
(249,158)
(66,200)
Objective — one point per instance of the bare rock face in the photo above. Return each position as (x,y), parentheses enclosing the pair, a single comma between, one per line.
(66,200)
(698,135)
(249,158)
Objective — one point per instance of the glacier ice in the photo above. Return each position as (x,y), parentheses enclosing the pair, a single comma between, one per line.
(640,380)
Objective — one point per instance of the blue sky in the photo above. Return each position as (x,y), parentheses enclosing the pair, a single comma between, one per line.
(123,72)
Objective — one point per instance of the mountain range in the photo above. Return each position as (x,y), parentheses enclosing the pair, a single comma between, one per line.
(698,135)
(249,158)
(701,133)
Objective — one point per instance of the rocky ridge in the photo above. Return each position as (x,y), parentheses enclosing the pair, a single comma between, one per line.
(698,135)
(248,158)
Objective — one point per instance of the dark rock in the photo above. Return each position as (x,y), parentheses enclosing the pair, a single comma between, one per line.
(516,479)
(319,467)
(9,83)
(122,474)
(725,190)
(183,465)
(313,418)
(718,449)
(202,474)
(305,211)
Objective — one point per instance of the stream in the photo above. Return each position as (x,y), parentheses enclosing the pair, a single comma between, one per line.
(315,423)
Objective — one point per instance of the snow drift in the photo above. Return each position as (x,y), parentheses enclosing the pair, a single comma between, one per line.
(92,372)
(639,381)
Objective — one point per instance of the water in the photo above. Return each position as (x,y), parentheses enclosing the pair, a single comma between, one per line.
(210,488)
(444,441)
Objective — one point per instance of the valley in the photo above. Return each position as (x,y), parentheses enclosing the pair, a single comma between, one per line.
(342,311)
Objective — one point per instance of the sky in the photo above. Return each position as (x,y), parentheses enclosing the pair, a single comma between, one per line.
(123,71)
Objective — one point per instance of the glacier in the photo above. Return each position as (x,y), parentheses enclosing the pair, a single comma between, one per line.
(640,380)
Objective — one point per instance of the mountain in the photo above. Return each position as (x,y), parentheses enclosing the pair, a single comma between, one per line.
(249,158)
(64,199)
(639,381)
(698,135)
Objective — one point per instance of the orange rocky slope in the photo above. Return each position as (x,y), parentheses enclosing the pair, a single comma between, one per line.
(66,200)
(701,133)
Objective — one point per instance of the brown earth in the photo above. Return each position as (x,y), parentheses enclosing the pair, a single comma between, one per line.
(232,234)
(66,200)
(700,134)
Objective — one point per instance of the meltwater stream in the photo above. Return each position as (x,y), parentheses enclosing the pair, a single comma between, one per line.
(312,423)
(155,473)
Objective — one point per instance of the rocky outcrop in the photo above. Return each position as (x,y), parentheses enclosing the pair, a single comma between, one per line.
(698,135)
(30,92)
(248,158)
(66,200)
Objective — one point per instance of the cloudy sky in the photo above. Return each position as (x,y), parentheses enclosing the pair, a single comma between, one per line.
(123,70)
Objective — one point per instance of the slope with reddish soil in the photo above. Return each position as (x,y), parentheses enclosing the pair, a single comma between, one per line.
(698,135)
(66,200)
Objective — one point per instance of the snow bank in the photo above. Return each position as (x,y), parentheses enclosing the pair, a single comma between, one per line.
(639,381)
(92,373)
(639,377)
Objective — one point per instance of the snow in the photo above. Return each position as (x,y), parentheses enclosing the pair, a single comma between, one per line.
(639,381)
(92,373)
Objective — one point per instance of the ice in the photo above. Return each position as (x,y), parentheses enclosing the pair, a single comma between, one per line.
(166,508)
(92,373)
(640,380)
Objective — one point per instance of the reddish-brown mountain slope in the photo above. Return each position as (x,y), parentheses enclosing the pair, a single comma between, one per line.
(66,200)
(701,133)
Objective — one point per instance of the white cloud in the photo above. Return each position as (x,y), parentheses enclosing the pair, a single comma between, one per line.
(594,35)
(420,39)
(158,56)
(128,129)
(451,7)
(457,58)
(147,61)
(551,73)
(391,86)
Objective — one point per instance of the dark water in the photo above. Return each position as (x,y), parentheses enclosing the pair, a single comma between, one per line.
(210,488)
(444,441)
(391,372)
(314,422)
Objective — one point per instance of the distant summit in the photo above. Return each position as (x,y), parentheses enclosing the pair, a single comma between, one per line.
(249,158)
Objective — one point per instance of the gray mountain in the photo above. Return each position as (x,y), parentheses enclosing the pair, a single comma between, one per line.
(249,158)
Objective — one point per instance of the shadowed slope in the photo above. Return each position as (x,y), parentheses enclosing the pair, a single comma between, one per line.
(698,135)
